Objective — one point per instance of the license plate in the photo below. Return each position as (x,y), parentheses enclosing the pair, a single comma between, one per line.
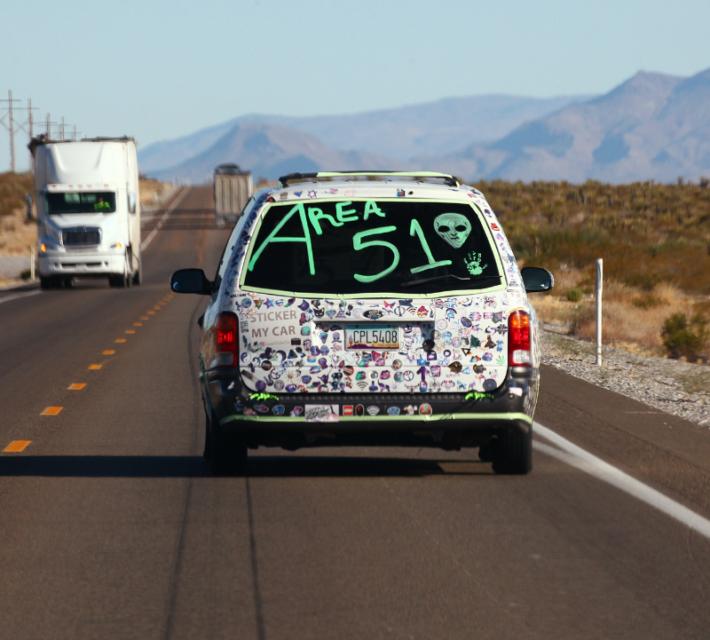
(369,337)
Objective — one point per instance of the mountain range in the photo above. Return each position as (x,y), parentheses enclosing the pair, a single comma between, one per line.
(651,127)
(395,135)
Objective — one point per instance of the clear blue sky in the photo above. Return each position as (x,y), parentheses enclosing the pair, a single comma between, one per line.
(157,70)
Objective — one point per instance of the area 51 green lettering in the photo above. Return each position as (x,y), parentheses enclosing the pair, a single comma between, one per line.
(359,244)
(273,237)
(415,228)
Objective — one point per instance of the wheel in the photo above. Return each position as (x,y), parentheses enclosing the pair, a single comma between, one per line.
(227,452)
(208,447)
(486,452)
(138,275)
(123,281)
(46,282)
(513,452)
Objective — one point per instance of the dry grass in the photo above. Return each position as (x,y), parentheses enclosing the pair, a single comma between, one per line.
(152,191)
(632,318)
(654,239)
(17,234)
(646,233)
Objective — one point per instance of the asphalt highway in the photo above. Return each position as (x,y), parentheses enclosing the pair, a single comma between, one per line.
(111,526)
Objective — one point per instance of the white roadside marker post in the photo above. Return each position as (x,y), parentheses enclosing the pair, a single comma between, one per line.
(598,292)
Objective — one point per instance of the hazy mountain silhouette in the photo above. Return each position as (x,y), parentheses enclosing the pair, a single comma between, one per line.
(651,127)
(428,129)
(271,151)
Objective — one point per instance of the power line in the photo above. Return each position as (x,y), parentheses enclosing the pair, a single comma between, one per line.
(10,126)
(9,121)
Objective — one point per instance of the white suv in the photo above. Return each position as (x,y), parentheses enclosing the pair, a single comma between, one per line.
(369,309)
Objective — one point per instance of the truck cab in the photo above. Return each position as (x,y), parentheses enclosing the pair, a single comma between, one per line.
(88,211)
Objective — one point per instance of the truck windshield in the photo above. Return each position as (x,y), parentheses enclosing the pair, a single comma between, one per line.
(368,246)
(84,202)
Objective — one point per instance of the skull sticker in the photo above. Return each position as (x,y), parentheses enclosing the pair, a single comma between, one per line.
(453,227)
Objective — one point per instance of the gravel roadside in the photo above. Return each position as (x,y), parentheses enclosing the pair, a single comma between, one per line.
(680,388)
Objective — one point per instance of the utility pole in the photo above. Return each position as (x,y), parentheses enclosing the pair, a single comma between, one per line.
(30,122)
(10,126)
(28,127)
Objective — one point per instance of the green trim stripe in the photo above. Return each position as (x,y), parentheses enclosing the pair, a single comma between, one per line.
(388,418)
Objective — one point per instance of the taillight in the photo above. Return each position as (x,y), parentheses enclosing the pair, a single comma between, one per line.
(519,354)
(226,331)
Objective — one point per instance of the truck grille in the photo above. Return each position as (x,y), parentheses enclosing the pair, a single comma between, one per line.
(81,236)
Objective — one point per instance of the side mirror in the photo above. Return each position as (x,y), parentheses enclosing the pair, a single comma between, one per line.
(536,279)
(191,281)
(131,202)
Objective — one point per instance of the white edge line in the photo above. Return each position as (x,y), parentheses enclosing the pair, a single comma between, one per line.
(577,457)
(20,295)
(152,234)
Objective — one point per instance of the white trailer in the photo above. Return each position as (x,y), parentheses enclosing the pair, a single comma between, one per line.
(232,190)
(88,211)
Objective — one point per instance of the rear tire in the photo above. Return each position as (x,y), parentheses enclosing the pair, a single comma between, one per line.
(513,452)
(121,281)
(138,275)
(226,452)
(486,452)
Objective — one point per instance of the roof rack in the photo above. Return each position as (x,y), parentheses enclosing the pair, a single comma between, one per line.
(293,177)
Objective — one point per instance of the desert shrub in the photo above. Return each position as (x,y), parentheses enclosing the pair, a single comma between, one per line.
(574,294)
(683,337)
(648,301)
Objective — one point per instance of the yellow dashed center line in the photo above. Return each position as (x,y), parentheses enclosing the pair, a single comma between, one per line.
(77,386)
(150,313)
(51,411)
(145,318)
(156,307)
(109,352)
(121,340)
(94,367)
(137,324)
(130,331)
(16,446)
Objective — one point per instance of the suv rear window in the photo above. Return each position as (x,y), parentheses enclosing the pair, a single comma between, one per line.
(371,246)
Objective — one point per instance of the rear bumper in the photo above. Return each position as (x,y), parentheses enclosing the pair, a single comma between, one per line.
(437,420)
(81,264)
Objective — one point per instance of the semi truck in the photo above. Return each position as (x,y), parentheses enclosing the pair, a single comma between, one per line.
(88,211)
(232,190)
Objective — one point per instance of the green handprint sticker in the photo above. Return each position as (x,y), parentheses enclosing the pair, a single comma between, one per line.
(473,263)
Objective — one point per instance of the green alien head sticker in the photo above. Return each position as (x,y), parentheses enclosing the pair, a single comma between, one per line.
(473,263)
(453,227)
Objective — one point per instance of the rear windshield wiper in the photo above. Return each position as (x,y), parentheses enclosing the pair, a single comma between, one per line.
(412,283)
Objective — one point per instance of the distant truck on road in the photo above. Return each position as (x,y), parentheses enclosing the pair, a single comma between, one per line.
(232,190)
(88,211)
